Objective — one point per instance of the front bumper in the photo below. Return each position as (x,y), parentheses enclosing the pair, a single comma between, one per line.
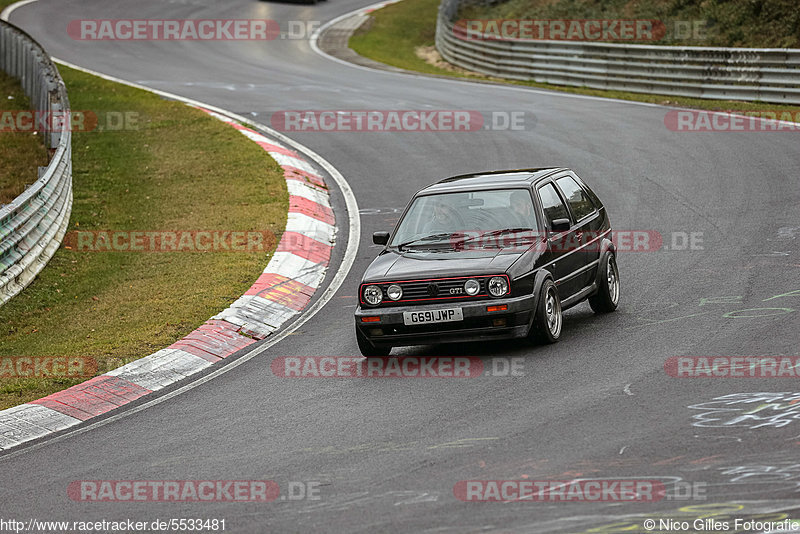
(477,325)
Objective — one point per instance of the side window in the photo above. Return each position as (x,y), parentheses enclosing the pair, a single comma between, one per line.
(578,200)
(554,207)
(592,195)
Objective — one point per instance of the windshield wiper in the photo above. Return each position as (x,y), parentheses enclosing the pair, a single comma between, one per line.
(432,237)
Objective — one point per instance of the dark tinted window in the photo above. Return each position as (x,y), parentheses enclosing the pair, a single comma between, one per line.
(595,200)
(554,207)
(578,200)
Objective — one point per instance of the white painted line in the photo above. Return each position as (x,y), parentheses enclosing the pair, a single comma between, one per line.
(252,313)
(13,7)
(314,44)
(354,233)
(218,116)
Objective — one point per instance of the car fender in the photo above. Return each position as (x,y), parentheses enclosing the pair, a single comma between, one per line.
(541,276)
(606,247)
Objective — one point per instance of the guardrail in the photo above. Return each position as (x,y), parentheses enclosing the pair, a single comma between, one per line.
(766,74)
(33,225)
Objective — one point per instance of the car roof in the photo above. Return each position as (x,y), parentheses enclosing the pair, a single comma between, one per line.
(490,180)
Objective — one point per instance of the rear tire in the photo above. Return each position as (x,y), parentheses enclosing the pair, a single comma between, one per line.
(368,349)
(607,297)
(548,320)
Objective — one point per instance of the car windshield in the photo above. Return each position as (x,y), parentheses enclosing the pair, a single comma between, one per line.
(446,219)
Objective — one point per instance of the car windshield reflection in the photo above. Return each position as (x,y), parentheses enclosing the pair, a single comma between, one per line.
(467,218)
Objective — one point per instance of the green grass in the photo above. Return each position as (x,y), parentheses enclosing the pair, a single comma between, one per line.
(397,31)
(181,170)
(730,23)
(21,153)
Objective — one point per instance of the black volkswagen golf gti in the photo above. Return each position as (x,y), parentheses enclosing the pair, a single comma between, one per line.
(488,256)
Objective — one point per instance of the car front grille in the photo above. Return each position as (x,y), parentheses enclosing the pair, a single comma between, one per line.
(433,290)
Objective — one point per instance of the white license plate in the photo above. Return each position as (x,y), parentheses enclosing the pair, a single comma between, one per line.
(433,316)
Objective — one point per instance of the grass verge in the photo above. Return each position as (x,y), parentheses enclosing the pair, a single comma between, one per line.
(174,168)
(20,152)
(398,33)
(727,23)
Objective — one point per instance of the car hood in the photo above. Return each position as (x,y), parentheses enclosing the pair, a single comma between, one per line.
(393,265)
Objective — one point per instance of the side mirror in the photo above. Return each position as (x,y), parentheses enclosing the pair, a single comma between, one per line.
(560,225)
(380,238)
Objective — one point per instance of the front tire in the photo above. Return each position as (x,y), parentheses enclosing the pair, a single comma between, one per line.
(607,297)
(548,320)
(368,349)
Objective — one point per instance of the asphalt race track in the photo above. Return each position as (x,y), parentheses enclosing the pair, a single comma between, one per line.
(388,453)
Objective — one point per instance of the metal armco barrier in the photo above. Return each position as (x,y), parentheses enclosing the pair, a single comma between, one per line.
(765,74)
(33,225)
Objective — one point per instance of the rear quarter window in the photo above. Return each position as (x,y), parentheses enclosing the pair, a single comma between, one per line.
(579,201)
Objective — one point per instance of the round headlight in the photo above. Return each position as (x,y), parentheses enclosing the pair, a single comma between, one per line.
(498,286)
(373,295)
(472,287)
(394,292)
